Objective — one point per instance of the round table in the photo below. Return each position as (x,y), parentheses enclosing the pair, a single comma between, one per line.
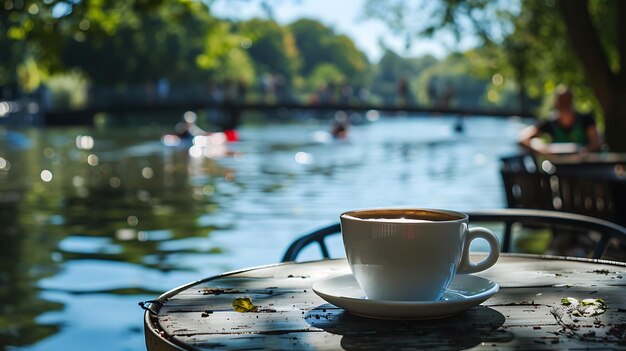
(526,313)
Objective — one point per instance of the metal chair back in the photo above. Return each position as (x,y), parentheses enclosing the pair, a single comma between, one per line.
(594,190)
(576,223)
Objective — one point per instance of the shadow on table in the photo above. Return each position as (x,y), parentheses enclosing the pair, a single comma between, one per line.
(473,327)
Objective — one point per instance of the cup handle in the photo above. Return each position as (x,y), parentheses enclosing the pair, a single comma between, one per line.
(466,265)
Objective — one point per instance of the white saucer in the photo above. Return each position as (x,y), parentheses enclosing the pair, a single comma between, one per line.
(464,292)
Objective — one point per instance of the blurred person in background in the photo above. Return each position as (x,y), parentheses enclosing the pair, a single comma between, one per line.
(568,131)
(187,128)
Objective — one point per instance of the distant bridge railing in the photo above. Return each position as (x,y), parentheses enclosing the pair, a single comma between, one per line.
(233,109)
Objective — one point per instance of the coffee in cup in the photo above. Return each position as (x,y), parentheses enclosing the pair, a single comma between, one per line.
(411,254)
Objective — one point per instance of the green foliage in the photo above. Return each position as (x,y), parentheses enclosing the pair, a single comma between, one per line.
(411,18)
(393,68)
(68,90)
(319,44)
(526,41)
(121,42)
(224,58)
(460,76)
(323,74)
(539,48)
(175,41)
(29,75)
(20,23)
(271,46)
(118,45)
(602,14)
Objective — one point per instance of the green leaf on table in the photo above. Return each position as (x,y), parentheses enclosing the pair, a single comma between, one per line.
(243,304)
(586,307)
(569,301)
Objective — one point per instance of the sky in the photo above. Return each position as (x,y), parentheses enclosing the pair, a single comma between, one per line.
(345,17)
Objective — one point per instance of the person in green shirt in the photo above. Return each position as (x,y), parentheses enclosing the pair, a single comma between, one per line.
(566,128)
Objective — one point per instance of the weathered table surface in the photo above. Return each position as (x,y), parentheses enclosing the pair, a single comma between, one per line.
(525,314)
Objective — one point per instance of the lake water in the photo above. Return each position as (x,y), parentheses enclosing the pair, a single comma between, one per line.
(94,221)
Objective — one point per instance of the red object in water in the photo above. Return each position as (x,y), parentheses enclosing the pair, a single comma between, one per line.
(231,135)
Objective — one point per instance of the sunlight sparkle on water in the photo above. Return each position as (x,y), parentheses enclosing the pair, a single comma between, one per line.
(199,140)
(303,158)
(195,151)
(125,234)
(372,115)
(322,136)
(84,142)
(93,160)
(171,140)
(132,220)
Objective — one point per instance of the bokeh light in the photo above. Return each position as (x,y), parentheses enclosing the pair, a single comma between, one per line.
(132,220)
(4,164)
(46,175)
(84,142)
(497,79)
(246,43)
(93,160)
(303,158)
(147,172)
(115,182)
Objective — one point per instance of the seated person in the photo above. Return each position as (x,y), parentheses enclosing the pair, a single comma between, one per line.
(567,126)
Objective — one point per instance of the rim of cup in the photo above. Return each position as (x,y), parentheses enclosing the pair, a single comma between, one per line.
(460,216)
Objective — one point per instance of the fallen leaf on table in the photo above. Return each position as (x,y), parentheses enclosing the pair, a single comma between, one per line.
(243,304)
(586,307)
(569,301)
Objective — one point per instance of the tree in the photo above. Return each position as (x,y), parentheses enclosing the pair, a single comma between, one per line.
(576,42)
(120,42)
(319,44)
(177,41)
(271,46)
(22,27)
(392,69)
(324,74)
(600,46)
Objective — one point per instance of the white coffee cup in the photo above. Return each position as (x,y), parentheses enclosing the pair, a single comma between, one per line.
(411,254)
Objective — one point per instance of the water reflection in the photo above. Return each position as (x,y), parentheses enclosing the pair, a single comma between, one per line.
(77,223)
(92,218)
(24,260)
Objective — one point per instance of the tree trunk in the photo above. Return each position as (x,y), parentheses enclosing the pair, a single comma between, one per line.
(616,128)
(615,123)
(608,87)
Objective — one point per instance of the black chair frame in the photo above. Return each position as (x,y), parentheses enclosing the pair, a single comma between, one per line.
(587,188)
(538,218)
